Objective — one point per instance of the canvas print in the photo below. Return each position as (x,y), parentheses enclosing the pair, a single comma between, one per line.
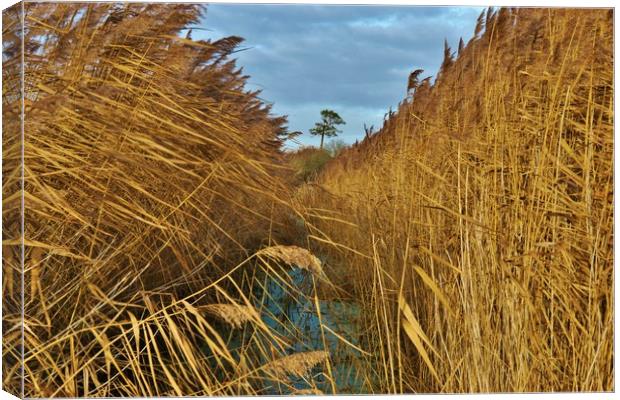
(302,199)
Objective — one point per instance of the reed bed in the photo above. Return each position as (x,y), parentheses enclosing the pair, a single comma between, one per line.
(151,176)
(478,223)
(474,230)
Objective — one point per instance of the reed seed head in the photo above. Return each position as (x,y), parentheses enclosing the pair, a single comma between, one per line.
(233,314)
(296,364)
(294,255)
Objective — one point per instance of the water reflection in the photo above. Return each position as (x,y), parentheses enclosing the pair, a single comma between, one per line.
(295,317)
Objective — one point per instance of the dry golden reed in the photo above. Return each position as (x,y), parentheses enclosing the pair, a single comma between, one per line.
(150,172)
(477,224)
(233,314)
(298,364)
(485,203)
(294,255)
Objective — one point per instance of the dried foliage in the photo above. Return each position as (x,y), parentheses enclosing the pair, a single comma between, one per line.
(295,256)
(486,202)
(475,227)
(150,171)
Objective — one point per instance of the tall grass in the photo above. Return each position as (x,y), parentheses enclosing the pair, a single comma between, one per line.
(306,163)
(477,224)
(151,177)
(474,229)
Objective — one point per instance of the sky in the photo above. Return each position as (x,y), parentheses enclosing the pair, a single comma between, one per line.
(354,60)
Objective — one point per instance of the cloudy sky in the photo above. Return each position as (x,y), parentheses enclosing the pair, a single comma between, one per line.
(354,60)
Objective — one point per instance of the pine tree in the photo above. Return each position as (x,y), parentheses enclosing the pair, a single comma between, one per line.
(327,126)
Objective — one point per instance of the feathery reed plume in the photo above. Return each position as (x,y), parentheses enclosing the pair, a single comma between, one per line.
(233,314)
(413,81)
(448,58)
(294,255)
(298,364)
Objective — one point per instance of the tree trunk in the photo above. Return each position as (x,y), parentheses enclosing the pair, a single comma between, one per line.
(322,136)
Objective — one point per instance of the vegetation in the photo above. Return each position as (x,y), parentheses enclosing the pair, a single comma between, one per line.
(327,125)
(478,223)
(150,180)
(335,147)
(474,229)
(308,162)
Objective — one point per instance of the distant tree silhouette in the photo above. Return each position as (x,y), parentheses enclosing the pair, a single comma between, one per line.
(327,125)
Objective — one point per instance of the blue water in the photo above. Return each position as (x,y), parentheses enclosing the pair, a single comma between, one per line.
(296,318)
(287,306)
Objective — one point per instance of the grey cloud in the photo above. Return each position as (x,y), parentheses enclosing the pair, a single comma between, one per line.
(353,59)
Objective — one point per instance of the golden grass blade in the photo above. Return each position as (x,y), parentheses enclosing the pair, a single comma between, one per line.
(433,286)
(416,334)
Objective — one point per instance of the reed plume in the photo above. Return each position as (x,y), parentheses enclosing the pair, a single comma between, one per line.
(298,364)
(294,255)
(233,314)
